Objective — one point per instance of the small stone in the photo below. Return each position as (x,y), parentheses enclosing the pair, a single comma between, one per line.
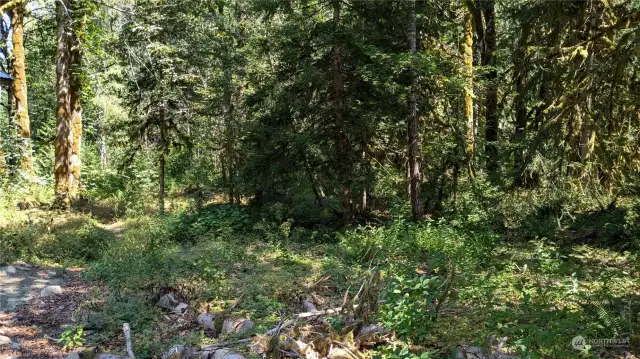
(10,270)
(15,346)
(5,341)
(225,353)
(338,353)
(206,320)
(180,308)
(168,302)
(370,333)
(108,356)
(51,290)
(239,325)
(174,352)
(52,273)
(73,355)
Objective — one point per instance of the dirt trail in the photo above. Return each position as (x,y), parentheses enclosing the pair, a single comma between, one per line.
(19,283)
(26,318)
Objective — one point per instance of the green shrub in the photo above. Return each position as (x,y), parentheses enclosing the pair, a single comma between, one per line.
(211,221)
(410,306)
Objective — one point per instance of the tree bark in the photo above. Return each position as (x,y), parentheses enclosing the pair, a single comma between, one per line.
(63,119)
(161,177)
(520,69)
(468,90)
(164,145)
(229,141)
(75,97)
(19,89)
(341,140)
(3,161)
(413,134)
(491,105)
(587,129)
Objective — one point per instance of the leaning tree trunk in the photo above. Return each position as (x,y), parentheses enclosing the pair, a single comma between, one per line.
(341,140)
(63,120)
(491,105)
(415,171)
(75,105)
(468,90)
(19,89)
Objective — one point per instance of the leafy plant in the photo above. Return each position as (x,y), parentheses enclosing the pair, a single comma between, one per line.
(409,307)
(72,338)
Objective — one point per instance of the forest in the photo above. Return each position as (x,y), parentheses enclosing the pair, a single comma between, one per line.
(319,179)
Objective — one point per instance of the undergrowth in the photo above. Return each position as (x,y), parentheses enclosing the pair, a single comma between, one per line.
(518,270)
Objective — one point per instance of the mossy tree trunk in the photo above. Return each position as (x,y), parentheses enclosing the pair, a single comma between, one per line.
(491,100)
(64,134)
(75,94)
(413,132)
(520,106)
(19,89)
(3,161)
(588,128)
(468,90)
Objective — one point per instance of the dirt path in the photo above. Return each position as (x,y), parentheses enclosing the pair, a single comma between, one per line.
(19,283)
(26,318)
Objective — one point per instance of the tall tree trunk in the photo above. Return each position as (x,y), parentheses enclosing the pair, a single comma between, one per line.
(63,120)
(19,89)
(520,70)
(491,105)
(75,91)
(229,140)
(468,90)
(413,133)
(341,140)
(3,161)
(102,142)
(588,129)
(161,176)
(164,146)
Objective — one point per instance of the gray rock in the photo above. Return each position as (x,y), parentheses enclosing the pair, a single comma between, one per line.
(76,355)
(238,325)
(15,346)
(175,352)
(168,302)
(10,270)
(206,320)
(180,308)
(5,341)
(51,290)
(225,353)
(370,333)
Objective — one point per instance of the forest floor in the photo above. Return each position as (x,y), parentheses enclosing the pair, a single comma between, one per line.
(538,293)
